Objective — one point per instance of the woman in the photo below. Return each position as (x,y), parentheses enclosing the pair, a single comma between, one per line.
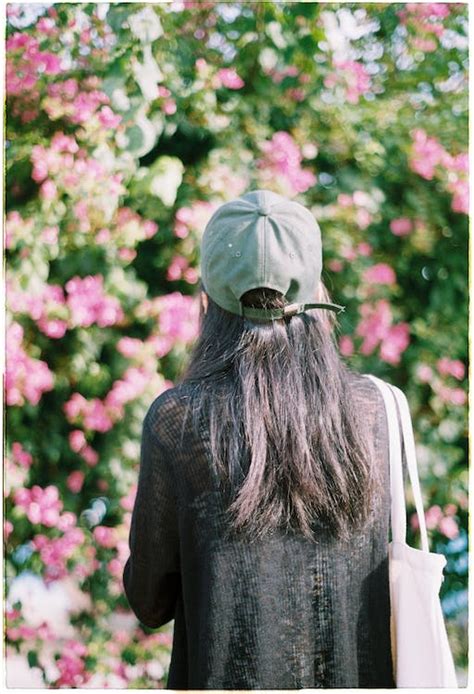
(261,521)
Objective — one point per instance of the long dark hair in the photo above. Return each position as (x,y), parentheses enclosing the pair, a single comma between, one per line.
(288,441)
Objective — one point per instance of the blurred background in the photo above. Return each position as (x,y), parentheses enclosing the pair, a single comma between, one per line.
(127,125)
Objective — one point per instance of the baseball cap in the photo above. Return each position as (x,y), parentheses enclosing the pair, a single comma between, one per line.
(262,239)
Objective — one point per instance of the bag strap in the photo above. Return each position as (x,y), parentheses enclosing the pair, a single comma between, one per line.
(410,453)
(397,490)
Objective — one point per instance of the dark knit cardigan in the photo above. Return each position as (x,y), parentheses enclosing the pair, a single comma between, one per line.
(279,613)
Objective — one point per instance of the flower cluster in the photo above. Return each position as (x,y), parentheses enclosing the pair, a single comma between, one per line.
(377,330)
(360,205)
(78,444)
(353,78)
(281,162)
(439,380)
(55,552)
(88,303)
(24,66)
(40,505)
(179,268)
(67,100)
(192,218)
(26,378)
(84,305)
(439,519)
(429,159)
(426,22)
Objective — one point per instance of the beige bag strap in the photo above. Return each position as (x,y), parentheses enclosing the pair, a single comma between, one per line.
(391,395)
(410,454)
(397,490)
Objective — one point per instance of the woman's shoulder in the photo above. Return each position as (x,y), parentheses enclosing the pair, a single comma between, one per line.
(167,410)
(363,388)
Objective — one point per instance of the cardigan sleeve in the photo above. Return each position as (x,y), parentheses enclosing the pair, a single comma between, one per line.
(151,575)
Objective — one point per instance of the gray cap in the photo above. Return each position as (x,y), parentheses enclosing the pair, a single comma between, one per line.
(262,239)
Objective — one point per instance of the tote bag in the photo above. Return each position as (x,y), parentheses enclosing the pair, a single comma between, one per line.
(421,654)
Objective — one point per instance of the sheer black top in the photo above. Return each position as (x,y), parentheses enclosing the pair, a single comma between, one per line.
(279,613)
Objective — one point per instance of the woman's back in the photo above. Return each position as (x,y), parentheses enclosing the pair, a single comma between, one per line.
(279,612)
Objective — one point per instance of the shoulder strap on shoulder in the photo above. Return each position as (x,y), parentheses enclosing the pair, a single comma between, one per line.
(397,490)
(410,452)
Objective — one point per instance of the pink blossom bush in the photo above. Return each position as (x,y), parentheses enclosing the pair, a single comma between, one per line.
(192,218)
(95,324)
(26,378)
(88,303)
(435,519)
(377,330)
(352,76)
(401,226)
(430,159)
(41,506)
(229,78)
(451,367)
(282,160)
(381,273)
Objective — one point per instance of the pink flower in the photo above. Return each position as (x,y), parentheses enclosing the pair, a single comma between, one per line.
(282,159)
(93,413)
(376,328)
(460,201)
(348,253)
(25,377)
(7,529)
(335,265)
(449,527)
(21,456)
(193,218)
(191,275)
(48,190)
(90,456)
(344,200)
(395,343)
(432,516)
(363,218)
(364,249)
(353,76)
(427,154)
(129,346)
(401,226)
(126,502)
(41,505)
(115,568)
(105,536)
(229,78)
(425,45)
(380,274)
(89,304)
(461,162)
(424,373)
(66,521)
(374,325)
(169,107)
(71,666)
(453,396)
(108,118)
(449,367)
(49,235)
(75,481)
(175,270)
(51,62)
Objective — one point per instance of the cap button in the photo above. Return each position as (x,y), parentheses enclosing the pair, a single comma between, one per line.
(264,210)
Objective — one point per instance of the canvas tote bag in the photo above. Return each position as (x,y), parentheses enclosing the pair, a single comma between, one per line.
(421,654)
